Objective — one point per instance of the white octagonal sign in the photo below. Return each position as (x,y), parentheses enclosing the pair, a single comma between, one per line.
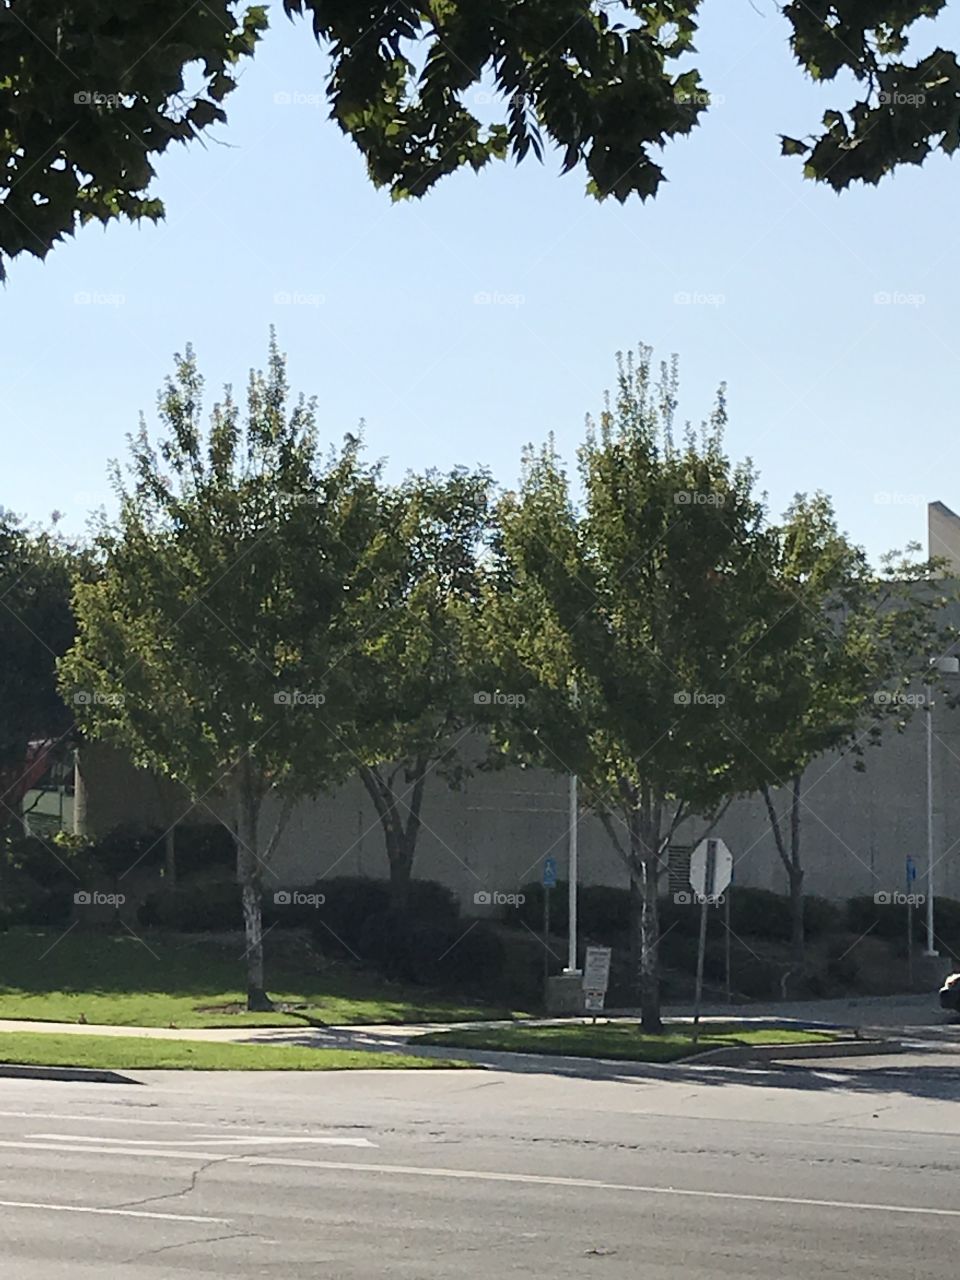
(711,868)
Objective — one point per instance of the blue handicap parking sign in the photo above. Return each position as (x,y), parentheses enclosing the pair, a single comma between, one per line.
(549,873)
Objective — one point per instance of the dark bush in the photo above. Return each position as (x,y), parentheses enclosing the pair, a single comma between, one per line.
(603,911)
(430,900)
(946,921)
(759,913)
(451,956)
(881,920)
(38,880)
(350,902)
(124,848)
(821,916)
(197,907)
(203,848)
(476,961)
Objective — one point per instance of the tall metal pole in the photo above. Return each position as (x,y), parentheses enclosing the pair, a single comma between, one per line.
(573,874)
(931,950)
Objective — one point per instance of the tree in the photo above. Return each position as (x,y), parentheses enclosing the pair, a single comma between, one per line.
(96,90)
(639,636)
(213,648)
(419,691)
(36,627)
(854,649)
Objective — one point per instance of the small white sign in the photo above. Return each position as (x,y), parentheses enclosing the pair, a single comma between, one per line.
(596,969)
(593,1001)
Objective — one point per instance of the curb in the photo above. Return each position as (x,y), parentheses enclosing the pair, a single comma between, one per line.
(74,1074)
(766,1053)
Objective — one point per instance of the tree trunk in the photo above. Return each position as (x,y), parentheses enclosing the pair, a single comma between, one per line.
(249,879)
(797,938)
(401,866)
(790,857)
(399,832)
(649,973)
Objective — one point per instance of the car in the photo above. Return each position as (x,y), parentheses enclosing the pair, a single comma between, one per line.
(950,993)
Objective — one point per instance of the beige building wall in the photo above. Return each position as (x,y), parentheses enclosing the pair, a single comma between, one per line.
(857,828)
(943,535)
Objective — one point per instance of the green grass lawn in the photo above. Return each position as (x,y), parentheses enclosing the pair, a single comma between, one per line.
(159,981)
(621,1041)
(129,1053)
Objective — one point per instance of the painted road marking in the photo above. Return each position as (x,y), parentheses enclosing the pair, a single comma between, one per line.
(211,1141)
(531,1179)
(117,1213)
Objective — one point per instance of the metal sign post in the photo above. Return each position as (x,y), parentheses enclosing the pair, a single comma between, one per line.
(549,884)
(911,875)
(711,866)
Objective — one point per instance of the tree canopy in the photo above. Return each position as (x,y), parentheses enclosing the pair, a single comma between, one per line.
(92,92)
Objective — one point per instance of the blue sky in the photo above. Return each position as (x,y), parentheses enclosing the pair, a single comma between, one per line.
(828,388)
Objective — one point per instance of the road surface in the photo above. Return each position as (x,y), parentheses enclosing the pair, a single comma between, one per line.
(834,1168)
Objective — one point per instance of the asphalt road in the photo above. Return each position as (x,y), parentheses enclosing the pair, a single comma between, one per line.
(833,1168)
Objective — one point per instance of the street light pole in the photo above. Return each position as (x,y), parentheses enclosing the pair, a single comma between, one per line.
(931,950)
(949,665)
(573,876)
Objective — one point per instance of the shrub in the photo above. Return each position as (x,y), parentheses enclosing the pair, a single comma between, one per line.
(37,888)
(203,848)
(946,921)
(119,850)
(350,902)
(865,915)
(603,911)
(821,916)
(759,913)
(198,907)
(470,959)
(430,900)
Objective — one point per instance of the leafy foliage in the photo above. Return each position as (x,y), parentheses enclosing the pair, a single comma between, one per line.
(910,108)
(642,632)
(92,92)
(36,627)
